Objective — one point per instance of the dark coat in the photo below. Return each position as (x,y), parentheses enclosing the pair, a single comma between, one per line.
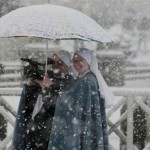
(80,120)
(25,109)
(34,134)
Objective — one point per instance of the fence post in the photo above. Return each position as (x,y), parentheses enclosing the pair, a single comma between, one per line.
(130,102)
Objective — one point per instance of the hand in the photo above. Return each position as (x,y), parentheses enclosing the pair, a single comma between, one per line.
(30,81)
(47,82)
(40,82)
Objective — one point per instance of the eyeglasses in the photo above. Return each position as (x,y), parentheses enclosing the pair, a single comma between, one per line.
(58,63)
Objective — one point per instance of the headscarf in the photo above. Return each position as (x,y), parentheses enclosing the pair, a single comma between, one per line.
(65,56)
(91,59)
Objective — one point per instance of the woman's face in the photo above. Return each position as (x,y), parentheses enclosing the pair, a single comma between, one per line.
(80,64)
(59,67)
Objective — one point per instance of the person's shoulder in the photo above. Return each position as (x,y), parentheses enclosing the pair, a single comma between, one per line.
(89,77)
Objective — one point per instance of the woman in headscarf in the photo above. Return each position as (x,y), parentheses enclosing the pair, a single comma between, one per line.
(36,108)
(80,119)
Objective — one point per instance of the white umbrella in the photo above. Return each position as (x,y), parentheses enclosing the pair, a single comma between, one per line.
(51,22)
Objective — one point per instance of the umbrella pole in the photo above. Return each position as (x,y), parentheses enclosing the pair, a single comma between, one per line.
(46,56)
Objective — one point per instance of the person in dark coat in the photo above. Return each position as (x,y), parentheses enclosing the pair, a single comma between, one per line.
(37,105)
(80,120)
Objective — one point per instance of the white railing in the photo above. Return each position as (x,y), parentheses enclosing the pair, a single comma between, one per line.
(133,98)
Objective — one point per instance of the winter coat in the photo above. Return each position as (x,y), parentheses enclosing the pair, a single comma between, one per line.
(36,131)
(25,109)
(80,121)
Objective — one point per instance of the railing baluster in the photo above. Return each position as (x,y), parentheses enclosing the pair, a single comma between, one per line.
(7,106)
(147,140)
(115,107)
(130,124)
(121,119)
(118,132)
(6,141)
(7,116)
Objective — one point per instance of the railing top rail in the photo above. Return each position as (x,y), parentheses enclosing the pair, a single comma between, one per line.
(131,91)
(10,91)
(118,91)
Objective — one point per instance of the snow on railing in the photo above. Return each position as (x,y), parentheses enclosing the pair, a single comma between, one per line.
(12,74)
(132,97)
(137,72)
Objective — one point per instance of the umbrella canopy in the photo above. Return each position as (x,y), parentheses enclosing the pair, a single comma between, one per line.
(51,22)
